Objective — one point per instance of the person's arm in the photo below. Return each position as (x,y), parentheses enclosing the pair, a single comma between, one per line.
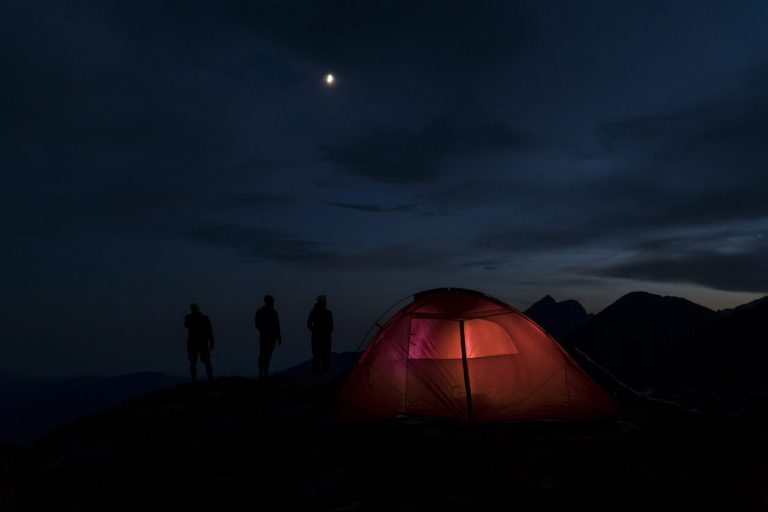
(309,322)
(330,317)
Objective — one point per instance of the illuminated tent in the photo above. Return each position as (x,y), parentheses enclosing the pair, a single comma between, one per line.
(460,354)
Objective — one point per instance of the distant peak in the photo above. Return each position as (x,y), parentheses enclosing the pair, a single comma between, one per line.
(558,318)
(641,299)
(573,305)
(640,293)
(749,305)
(548,303)
(547,299)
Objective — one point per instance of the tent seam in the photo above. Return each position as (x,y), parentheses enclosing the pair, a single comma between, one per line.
(535,391)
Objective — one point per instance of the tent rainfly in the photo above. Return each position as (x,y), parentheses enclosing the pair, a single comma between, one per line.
(461,354)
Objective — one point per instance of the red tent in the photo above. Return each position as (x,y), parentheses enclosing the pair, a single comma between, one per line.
(461,354)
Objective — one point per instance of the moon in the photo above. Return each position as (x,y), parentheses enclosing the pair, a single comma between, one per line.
(330,79)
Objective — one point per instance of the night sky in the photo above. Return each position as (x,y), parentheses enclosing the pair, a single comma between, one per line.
(156,153)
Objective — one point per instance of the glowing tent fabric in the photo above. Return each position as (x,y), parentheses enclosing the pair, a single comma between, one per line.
(461,354)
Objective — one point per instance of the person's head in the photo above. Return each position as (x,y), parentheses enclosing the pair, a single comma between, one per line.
(321,300)
(269,300)
(195,307)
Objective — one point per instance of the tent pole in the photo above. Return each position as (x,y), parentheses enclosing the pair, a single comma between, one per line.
(466,371)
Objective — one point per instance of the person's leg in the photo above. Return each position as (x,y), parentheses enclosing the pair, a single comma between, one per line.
(192,356)
(205,358)
(316,355)
(209,370)
(327,356)
(262,371)
(268,349)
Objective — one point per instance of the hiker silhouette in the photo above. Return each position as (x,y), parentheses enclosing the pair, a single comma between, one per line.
(320,322)
(199,341)
(268,324)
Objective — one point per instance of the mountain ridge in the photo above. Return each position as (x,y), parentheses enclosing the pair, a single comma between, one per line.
(558,318)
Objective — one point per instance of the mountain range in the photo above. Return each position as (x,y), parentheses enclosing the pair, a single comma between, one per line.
(647,340)
(558,318)
(641,340)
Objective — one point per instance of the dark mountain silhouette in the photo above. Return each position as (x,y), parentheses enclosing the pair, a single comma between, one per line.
(243,442)
(30,407)
(558,318)
(640,338)
(749,305)
(732,352)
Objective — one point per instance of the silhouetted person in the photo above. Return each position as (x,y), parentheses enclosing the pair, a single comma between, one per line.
(199,341)
(268,324)
(320,322)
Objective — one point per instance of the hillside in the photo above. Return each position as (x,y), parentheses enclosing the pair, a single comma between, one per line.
(30,407)
(265,444)
(242,443)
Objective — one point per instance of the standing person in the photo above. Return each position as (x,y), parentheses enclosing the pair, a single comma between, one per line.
(320,322)
(268,324)
(199,341)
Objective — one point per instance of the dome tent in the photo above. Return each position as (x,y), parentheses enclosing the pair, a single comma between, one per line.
(461,354)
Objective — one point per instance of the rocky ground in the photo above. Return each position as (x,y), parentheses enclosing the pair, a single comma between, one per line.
(244,444)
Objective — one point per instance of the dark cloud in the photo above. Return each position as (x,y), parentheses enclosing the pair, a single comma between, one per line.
(698,167)
(745,271)
(152,212)
(293,250)
(535,238)
(376,208)
(143,141)
(402,155)
(727,257)
(262,242)
(250,201)
(704,164)
(695,169)
(113,112)
(359,35)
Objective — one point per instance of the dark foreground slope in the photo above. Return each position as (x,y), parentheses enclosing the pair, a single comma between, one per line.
(264,445)
(31,407)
